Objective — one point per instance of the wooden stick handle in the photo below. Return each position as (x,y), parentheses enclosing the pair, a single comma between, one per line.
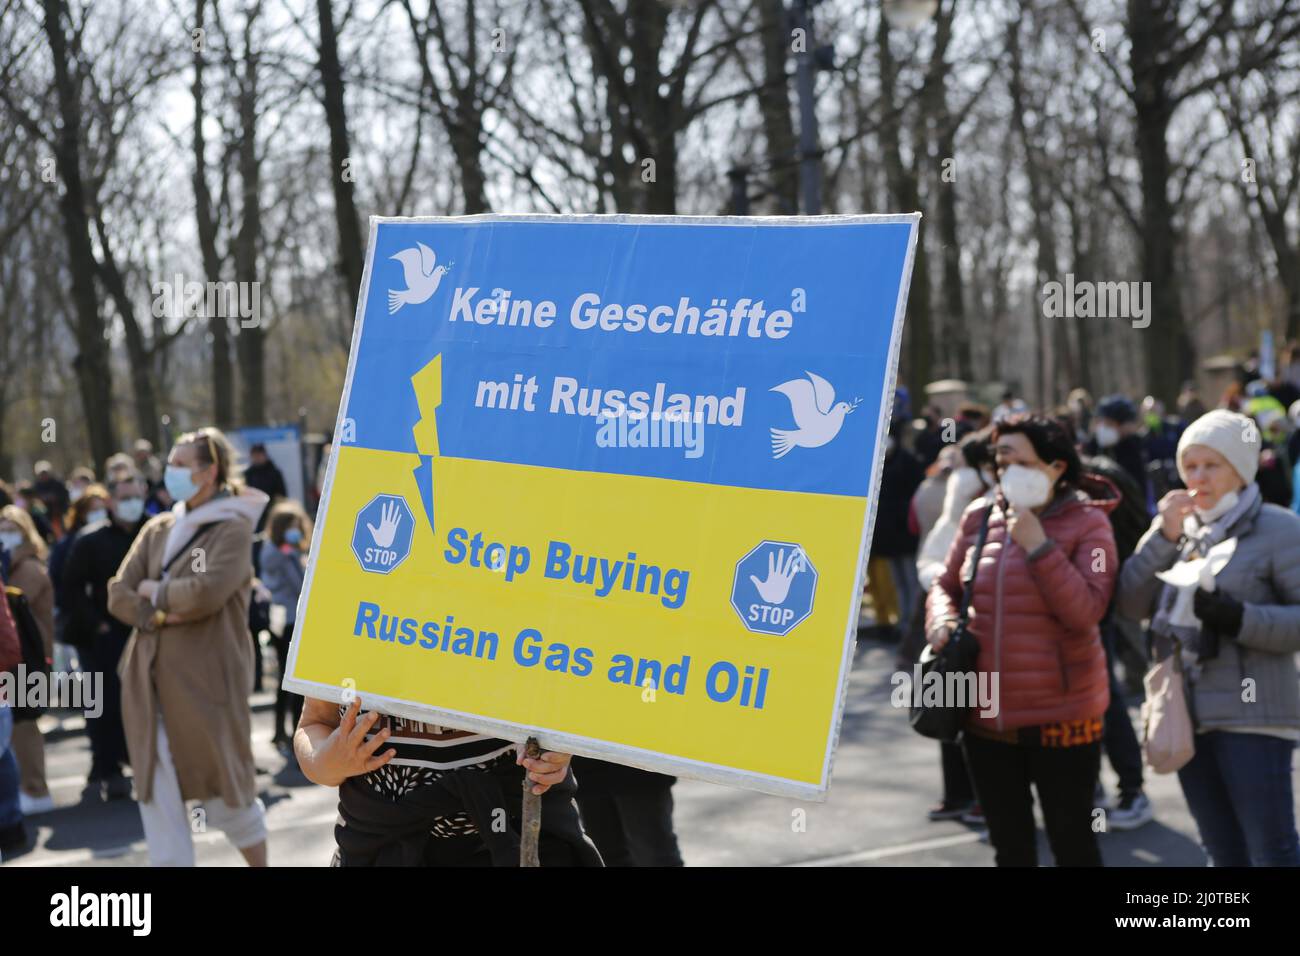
(531,825)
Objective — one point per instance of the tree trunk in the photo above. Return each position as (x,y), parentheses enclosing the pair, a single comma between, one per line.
(617,169)
(94,373)
(137,349)
(903,189)
(1081,257)
(249,344)
(774,104)
(953,293)
(351,249)
(467,145)
(462,114)
(1046,261)
(640,115)
(662,197)
(1169,353)
(955,326)
(223,373)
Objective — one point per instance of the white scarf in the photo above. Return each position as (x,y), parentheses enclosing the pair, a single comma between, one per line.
(1199,537)
(246,506)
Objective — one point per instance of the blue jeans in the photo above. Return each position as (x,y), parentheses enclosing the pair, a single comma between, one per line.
(1119,740)
(1238,787)
(10,814)
(908,586)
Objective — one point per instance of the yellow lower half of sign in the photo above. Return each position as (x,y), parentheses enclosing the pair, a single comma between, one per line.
(625,666)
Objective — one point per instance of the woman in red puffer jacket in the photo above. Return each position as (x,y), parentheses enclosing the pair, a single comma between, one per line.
(1042,585)
(13,834)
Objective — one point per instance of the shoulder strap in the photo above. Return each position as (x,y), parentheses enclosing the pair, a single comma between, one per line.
(185,548)
(968,582)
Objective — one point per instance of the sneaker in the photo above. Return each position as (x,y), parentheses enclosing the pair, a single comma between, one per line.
(884,633)
(974,815)
(117,787)
(31,806)
(93,791)
(947,811)
(13,840)
(1132,811)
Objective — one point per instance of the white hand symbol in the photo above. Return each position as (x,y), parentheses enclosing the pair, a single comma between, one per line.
(389,519)
(780,574)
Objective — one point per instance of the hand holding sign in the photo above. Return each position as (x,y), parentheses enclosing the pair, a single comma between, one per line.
(545,770)
(388,522)
(330,756)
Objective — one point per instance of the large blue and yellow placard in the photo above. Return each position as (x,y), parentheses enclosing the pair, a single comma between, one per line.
(609,481)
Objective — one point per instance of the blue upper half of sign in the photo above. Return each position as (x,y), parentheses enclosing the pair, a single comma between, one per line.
(775,339)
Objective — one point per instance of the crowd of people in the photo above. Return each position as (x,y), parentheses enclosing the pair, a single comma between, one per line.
(1048,533)
(162,580)
(157,581)
(1065,522)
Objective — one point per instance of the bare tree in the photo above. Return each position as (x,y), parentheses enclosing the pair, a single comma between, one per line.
(1269,170)
(351,249)
(1178,52)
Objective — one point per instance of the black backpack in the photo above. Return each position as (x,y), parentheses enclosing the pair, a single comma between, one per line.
(33,646)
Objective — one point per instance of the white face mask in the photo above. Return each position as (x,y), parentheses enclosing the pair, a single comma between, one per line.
(129,510)
(1107,436)
(11,541)
(1025,487)
(1221,508)
(96,516)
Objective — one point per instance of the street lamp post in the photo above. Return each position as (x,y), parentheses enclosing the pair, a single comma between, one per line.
(739,176)
(907,14)
(810,160)
(809,58)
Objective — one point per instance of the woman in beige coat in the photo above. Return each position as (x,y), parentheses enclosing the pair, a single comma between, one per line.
(27,573)
(188,667)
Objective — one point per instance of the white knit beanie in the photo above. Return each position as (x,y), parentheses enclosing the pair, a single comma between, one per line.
(1233,436)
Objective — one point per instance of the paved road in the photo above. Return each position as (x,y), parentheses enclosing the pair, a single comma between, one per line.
(885,777)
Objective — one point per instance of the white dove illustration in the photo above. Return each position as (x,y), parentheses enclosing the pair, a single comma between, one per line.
(422,277)
(817,415)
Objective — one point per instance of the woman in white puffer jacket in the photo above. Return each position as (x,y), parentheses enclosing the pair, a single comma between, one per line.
(966,483)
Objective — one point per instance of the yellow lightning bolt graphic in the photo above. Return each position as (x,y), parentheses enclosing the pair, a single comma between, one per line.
(427,383)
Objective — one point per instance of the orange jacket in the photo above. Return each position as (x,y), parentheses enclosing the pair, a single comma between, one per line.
(1037,621)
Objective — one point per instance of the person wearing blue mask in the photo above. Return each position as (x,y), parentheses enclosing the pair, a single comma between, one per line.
(88,513)
(188,666)
(99,637)
(288,536)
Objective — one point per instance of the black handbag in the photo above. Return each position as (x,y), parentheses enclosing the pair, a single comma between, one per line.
(944,721)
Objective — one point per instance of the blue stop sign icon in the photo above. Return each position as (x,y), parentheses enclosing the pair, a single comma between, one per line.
(774,587)
(382,535)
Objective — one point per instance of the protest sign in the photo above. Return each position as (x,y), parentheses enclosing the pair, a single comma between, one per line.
(610,481)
